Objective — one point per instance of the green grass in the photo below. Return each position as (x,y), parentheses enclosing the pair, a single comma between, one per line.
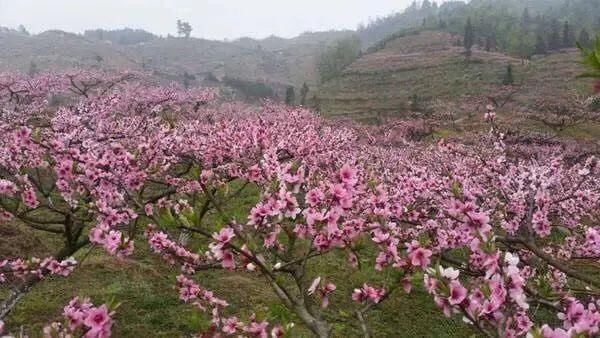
(149,305)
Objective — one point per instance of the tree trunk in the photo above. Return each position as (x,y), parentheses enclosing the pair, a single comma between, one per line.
(320,328)
(21,290)
(15,296)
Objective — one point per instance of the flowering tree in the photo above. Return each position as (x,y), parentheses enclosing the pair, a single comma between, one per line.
(494,229)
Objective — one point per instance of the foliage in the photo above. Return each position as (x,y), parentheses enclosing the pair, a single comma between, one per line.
(591,59)
(507,25)
(184,28)
(290,96)
(250,89)
(508,78)
(303,94)
(333,61)
(469,37)
(125,36)
(584,39)
(33,69)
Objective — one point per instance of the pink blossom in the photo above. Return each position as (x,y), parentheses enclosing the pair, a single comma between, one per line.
(457,293)
(148,209)
(98,321)
(420,257)
(224,236)
(227,260)
(277,332)
(230,325)
(348,175)
(548,332)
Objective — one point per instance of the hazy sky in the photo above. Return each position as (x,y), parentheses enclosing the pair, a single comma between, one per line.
(215,19)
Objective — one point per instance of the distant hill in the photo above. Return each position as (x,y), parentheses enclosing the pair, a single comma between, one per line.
(518,27)
(57,50)
(426,70)
(272,62)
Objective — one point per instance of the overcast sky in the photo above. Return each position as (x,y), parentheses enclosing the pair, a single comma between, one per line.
(214,19)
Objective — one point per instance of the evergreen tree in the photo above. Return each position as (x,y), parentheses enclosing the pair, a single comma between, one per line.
(526,20)
(413,7)
(568,36)
(290,96)
(187,80)
(508,76)
(426,5)
(554,36)
(442,24)
(334,60)
(469,37)
(303,93)
(584,39)
(488,44)
(540,45)
(33,69)
(184,28)
(23,30)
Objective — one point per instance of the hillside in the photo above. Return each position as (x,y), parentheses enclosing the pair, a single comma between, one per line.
(57,50)
(275,62)
(422,70)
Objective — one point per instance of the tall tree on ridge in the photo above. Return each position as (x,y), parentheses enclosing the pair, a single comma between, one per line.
(584,39)
(568,36)
(184,28)
(290,96)
(469,37)
(303,93)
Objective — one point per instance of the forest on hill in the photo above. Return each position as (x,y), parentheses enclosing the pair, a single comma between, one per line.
(517,27)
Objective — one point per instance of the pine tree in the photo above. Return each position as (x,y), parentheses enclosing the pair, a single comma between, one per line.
(303,93)
(469,37)
(184,28)
(526,20)
(540,45)
(413,7)
(290,96)
(442,24)
(426,5)
(554,36)
(187,80)
(23,30)
(33,69)
(568,36)
(584,39)
(488,44)
(508,76)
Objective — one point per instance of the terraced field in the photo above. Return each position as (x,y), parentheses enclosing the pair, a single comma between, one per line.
(429,68)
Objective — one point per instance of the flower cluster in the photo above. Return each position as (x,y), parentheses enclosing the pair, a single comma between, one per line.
(506,221)
(84,319)
(20,269)
(368,294)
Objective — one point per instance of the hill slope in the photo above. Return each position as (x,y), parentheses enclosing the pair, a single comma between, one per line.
(274,61)
(425,68)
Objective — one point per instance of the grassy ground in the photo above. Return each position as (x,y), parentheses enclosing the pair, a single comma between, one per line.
(150,306)
(144,286)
